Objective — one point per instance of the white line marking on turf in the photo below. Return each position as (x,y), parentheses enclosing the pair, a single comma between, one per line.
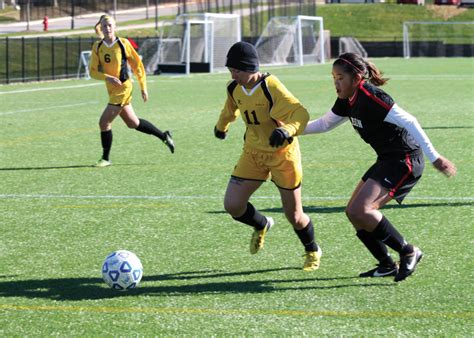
(48,108)
(204,197)
(51,88)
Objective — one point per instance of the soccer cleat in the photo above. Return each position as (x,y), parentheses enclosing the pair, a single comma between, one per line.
(313,258)
(169,141)
(381,271)
(103,163)
(408,264)
(258,236)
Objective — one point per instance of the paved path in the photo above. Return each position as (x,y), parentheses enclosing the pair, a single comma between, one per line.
(89,21)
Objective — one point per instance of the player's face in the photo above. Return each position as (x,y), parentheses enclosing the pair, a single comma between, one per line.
(108,28)
(244,78)
(345,83)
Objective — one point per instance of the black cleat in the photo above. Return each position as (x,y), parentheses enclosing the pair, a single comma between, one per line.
(169,141)
(381,271)
(408,264)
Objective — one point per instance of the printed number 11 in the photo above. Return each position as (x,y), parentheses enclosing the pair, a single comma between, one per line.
(254,115)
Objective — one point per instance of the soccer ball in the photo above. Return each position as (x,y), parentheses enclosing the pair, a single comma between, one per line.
(122,270)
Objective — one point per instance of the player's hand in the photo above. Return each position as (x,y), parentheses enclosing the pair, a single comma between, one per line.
(278,137)
(219,134)
(445,166)
(113,81)
(144,95)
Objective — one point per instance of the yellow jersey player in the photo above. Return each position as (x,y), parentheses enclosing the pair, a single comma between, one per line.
(109,62)
(273,117)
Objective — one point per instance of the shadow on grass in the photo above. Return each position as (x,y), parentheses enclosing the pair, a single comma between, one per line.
(337,209)
(178,284)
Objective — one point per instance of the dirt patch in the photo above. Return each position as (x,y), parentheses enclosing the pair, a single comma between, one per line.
(445,11)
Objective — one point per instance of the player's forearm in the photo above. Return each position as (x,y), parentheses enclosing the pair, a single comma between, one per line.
(325,123)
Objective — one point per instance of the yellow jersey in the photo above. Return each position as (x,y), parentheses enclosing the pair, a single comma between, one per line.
(112,60)
(266,106)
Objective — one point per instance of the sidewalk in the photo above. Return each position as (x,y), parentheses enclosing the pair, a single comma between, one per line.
(89,21)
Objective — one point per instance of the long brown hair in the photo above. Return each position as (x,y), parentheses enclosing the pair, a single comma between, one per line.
(354,64)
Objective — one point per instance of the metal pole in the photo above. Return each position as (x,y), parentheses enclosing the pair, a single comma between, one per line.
(7,61)
(147,6)
(28,15)
(115,9)
(156,15)
(72,14)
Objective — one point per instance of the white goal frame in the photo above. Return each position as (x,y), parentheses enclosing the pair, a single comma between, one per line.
(84,59)
(407,52)
(294,36)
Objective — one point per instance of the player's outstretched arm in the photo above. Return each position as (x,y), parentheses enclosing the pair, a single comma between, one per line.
(445,166)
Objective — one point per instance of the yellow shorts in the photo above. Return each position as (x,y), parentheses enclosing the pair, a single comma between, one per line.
(120,96)
(283,167)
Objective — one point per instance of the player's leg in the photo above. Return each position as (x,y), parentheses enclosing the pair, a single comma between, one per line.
(386,266)
(302,225)
(105,124)
(363,212)
(132,121)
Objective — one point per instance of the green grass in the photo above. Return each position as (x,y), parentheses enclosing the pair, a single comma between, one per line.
(60,217)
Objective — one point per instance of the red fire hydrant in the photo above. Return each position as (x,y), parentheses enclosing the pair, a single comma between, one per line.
(45,23)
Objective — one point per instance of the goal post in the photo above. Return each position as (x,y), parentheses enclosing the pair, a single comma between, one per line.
(293,40)
(83,67)
(426,38)
(195,42)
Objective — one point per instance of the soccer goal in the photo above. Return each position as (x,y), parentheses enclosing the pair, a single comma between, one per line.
(348,44)
(83,68)
(438,38)
(195,42)
(293,40)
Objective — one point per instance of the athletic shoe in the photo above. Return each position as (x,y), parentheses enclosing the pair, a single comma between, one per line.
(103,163)
(312,260)
(169,141)
(408,264)
(381,271)
(258,236)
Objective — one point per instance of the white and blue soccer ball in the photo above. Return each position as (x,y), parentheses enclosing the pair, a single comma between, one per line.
(122,270)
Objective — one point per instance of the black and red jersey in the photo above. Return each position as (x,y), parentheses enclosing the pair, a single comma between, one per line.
(367,110)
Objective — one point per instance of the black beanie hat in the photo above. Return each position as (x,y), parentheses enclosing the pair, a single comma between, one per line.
(243,56)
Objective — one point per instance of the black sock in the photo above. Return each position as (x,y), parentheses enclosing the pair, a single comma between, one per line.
(106,139)
(387,233)
(252,217)
(148,128)
(376,247)
(306,236)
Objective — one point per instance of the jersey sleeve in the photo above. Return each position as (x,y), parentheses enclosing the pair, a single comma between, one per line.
(341,107)
(287,109)
(136,64)
(94,63)
(325,123)
(229,113)
(403,119)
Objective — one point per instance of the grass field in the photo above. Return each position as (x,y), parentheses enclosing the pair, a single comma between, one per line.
(60,217)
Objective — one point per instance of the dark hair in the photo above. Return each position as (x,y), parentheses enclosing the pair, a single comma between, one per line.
(355,64)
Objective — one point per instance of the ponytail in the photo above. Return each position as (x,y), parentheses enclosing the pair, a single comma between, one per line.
(355,64)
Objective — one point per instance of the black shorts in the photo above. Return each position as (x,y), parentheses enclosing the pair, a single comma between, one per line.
(397,175)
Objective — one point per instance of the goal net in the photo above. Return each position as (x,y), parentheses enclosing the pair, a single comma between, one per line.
(193,38)
(438,39)
(293,40)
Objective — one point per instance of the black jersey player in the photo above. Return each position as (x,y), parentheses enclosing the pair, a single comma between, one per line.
(399,142)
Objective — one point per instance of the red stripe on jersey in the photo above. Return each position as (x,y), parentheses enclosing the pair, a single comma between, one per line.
(403,179)
(373,97)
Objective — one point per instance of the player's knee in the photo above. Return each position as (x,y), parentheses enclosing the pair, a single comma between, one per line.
(234,208)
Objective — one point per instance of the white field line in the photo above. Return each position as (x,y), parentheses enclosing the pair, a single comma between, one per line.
(207,197)
(39,89)
(48,108)
(50,88)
